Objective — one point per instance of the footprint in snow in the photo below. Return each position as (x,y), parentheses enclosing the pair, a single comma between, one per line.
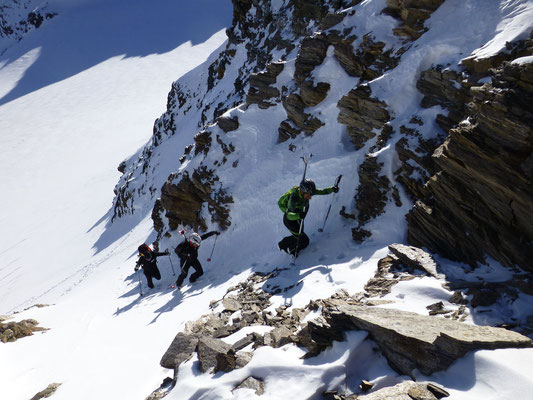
(340,256)
(322,258)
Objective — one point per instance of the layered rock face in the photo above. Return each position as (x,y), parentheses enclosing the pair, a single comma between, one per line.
(182,202)
(481,200)
(362,114)
(413,13)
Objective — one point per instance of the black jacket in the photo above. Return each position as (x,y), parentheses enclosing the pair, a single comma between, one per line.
(148,260)
(187,252)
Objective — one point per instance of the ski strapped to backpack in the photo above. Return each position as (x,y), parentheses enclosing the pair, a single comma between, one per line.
(337,181)
(306,160)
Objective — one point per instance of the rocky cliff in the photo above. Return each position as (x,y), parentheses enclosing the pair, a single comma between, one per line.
(469,180)
(479,201)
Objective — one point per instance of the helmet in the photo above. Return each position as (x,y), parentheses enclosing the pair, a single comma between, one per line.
(144,248)
(195,239)
(308,186)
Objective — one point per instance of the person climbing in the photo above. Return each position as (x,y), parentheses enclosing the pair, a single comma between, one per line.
(295,205)
(147,260)
(187,251)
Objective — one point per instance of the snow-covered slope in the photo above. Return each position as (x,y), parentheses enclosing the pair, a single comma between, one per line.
(72,109)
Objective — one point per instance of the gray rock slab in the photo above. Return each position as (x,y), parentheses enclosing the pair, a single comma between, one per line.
(411,340)
(209,350)
(403,391)
(231,303)
(180,350)
(415,258)
(252,383)
(242,358)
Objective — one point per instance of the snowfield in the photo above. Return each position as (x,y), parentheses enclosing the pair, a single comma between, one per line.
(80,95)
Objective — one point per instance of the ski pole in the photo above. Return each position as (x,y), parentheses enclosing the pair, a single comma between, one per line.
(329,208)
(298,241)
(171,264)
(213,249)
(140,283)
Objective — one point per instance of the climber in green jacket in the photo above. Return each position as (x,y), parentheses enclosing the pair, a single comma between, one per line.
(295,204)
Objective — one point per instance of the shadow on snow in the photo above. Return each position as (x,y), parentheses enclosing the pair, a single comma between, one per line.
(77,40)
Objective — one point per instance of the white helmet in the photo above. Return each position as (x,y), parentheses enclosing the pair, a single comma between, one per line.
(195,240)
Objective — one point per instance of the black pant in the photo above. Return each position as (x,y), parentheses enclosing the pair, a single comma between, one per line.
(151,272)
(185,265)
(291,244)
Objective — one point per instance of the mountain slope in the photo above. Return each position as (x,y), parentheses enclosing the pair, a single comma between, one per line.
(63,142)
(342,86)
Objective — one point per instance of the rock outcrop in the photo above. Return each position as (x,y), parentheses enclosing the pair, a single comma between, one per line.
(49,391)
(412,13)
(261,91)
(363,115)
(183,201)
(11,331)
(481,199)
(372,193)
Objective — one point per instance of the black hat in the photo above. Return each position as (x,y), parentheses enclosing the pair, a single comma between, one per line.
(308,186)
(144,248)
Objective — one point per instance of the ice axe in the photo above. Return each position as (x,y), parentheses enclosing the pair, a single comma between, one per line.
(329,208)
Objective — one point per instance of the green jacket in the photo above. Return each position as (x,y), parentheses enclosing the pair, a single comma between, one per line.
(294,205)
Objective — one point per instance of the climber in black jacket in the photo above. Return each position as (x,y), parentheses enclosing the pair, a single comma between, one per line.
(187,251)
(147,260)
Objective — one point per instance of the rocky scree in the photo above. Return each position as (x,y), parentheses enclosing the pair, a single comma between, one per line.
(399,335)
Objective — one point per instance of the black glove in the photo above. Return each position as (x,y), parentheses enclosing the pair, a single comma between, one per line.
(167,252)
(217,233)
(137,267)
(335,189)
